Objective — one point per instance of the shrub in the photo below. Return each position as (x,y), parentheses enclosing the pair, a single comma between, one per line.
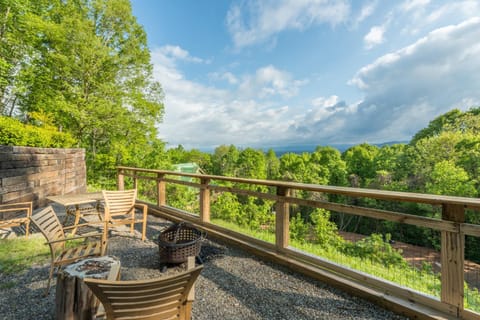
(15,133)
(298,228)
(325,230)
(376,249)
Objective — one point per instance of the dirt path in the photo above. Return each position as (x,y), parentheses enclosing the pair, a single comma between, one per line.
(416,255)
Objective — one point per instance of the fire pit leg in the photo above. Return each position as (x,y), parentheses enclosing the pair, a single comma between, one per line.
(73,298)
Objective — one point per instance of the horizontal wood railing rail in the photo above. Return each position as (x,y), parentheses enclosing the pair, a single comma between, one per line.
(452,227)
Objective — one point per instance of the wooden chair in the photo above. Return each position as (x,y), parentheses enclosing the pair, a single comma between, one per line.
(159,298)
(47,222)
(16,214)
(120,209)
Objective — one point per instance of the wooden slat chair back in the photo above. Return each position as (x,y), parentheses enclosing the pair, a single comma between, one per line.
(120,209)
(49,225)
(159,298)
(16,214)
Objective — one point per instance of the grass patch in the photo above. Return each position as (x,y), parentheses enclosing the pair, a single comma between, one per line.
(19,254)
(264,235)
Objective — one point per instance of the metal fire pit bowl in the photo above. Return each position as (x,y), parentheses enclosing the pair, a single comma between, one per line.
(178,242)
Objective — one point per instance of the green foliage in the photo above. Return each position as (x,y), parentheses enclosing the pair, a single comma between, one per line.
(85,65)
(360,161)
(183,197)
(325,230)
(272,165)
(257,214)
(437,125)
(334,168)
(251,164)
(448,179)
(468,149)
(15,133)
(301,168)
(224,160)
(292,167)
(454,120)
(376,249)
(391,159)
(298,228)
(227,208)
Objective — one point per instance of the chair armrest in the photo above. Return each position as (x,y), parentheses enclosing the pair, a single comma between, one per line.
(15,207)
(87,224)
(76,238)
(142,207)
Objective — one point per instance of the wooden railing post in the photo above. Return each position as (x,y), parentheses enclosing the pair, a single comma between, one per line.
(452,258)
(135,181)
(120,180)
(204,200)
(161,190)
(282,223)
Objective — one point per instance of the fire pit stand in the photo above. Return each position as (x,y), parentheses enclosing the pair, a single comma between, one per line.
(178,242)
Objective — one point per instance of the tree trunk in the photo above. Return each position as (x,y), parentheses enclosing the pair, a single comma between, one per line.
(73,299)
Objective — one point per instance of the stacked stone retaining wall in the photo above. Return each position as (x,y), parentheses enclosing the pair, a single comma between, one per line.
(32,174)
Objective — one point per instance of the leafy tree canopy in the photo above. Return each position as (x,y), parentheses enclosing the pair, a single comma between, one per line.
(453,120)
(85,65)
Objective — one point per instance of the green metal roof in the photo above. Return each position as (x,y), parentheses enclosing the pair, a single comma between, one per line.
(189,167)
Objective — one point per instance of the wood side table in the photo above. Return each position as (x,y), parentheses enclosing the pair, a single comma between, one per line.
(73,299)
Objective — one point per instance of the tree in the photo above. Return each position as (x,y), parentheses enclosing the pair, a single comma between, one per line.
(448,179)
(88,66)
(331,159)
(437,125)
(224,160)
(360,160)
(325,230)
(273,165)
(292,167)
(389,157)
(469,155)
(453,120)
(251,164)
(16,50)
(427,152)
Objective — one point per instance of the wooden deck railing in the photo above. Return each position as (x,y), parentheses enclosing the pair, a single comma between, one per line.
(452,227)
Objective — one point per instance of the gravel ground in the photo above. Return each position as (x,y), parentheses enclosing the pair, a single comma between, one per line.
(233,285)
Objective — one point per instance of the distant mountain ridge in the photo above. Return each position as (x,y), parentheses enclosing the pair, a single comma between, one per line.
(301,148)
(279,150)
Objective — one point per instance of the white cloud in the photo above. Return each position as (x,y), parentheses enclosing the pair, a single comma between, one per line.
(374,37)
(367,10)
(409,87)
(200,116)
(224,76)
(411,5)
(423,15)
(467,8)
(323,102)
(269,81)
(177,53)
(403,90)
(257,21)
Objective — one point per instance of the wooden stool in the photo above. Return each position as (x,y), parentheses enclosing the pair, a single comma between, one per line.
(74,300)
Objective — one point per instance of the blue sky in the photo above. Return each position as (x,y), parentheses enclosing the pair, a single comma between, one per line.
(270,73)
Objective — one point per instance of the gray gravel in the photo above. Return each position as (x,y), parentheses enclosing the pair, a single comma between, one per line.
(232,285)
